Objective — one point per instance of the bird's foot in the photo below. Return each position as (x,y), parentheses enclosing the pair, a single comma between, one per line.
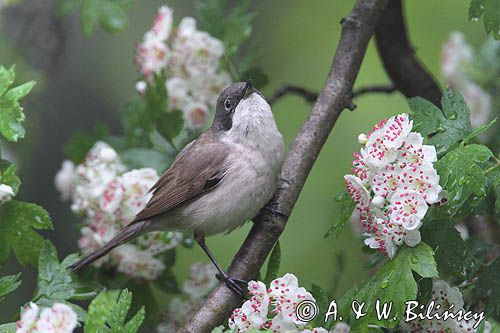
(232,283)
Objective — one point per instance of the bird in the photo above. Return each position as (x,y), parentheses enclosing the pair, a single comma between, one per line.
(218,181)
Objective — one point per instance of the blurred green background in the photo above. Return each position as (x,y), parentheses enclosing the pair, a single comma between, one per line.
(83,82)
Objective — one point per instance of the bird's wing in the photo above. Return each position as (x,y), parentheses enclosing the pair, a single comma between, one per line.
(199,168)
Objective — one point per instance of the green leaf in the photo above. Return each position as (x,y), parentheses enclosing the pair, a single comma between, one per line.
(107,313)
(461,174)
(321,299)
(273,266)
(99,310)
(17,223)
(346,206)
(395,283)
(11,113)
(494,184)
(478,131)
(109,14)
(8,328)
(445,128)
(452,253)
(488,285)
(490,11)
(68,6)
(8,175)
(8,284)
(55,283)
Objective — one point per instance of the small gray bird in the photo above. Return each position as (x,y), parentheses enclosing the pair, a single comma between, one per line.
(218,181)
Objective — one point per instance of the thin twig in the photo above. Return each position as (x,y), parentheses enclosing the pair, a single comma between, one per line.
(311,96)
(308,95)
(357,30)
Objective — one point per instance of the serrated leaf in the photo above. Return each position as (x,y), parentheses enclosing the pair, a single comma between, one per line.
(490,11)
(55,283)
(11,115)
(8,284)
(395,283)
(461,174)
(478,131)
(107,313)
(7,77)
(18,223)
(8,328)
(452,253)
(273,266)
(8,175)
(345,209)
(322,302)
(488,285)
(99,310)
(443,129)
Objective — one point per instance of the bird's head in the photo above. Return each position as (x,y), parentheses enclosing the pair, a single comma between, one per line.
(237,102)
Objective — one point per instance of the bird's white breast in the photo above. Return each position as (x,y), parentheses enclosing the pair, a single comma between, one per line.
(255,160)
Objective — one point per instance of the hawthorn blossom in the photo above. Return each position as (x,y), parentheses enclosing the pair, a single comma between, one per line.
(65,179)
(392,185)
(273,308)
(201,280)
(108,197)
(447,298)
(6,193)
(29,318)
(341,328)
(456,58)
(190,60)
(59,318)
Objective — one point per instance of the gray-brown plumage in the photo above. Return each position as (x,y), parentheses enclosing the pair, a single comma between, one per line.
(218,181)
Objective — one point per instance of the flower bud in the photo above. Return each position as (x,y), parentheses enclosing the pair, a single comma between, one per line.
(362,139)
(378,201)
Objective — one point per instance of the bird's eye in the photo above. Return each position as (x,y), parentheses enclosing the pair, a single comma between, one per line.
(227,103)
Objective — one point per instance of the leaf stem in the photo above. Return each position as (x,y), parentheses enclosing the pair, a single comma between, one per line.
(493,167)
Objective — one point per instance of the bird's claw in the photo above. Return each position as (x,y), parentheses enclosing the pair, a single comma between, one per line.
(232,283)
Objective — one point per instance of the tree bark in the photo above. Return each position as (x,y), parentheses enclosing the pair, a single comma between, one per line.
(357,30)
(399,59)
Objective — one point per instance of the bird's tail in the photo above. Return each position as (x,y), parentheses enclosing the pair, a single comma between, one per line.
(128,233)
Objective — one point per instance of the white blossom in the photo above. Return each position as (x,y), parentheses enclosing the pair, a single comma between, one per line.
(108,197)
(29,318)
(65,179)
(393,184)
(190,60)
(59,318)
(6,193)
(140,87)
(341,328)
(201,280)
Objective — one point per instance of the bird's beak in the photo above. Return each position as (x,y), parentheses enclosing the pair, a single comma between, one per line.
(248,89)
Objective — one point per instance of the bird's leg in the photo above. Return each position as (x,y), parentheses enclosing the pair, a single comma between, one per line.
(232,283)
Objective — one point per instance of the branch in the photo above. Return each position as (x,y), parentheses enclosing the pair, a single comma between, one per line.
(357,30)
(399,59)
(311,96)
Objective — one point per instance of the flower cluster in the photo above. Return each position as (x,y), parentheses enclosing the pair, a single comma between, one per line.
(393,183)
(191,61)
(6,193)
(109,197)
(273,308)
(201,281)
(456,57)
(444,295)
(59,318)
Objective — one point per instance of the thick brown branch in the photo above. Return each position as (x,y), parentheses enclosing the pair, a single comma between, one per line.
(399,59)
(357,30)
(311,96)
